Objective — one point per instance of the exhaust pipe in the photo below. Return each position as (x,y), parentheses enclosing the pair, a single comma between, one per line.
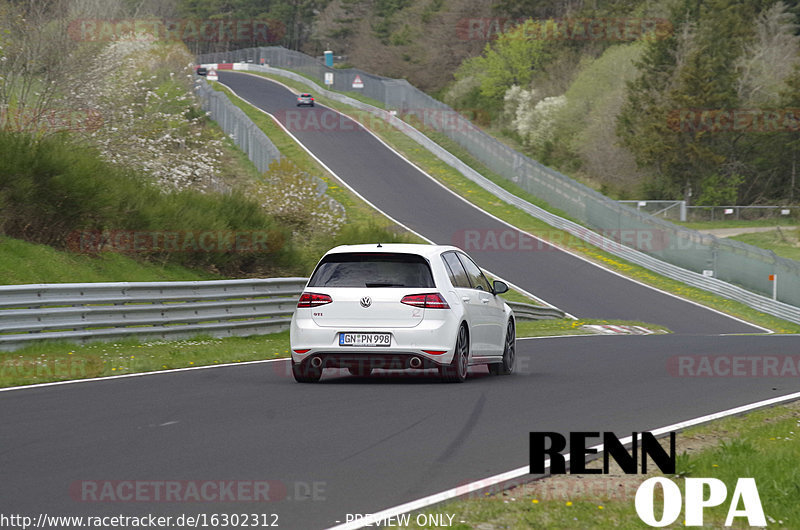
(415,362)
(316,362)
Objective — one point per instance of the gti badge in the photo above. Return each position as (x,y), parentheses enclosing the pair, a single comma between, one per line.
(366,301)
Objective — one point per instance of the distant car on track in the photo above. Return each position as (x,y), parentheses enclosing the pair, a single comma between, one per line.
(401,306)
(202,70)
(305,99)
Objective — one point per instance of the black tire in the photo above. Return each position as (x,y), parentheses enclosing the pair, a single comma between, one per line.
(312,104)
(305,373)
(456,372)
(506,366)
(359,370)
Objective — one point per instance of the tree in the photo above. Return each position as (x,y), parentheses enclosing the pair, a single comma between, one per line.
(510,60)
(692,70)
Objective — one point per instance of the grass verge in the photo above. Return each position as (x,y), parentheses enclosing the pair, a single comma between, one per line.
(762,444)
(552,328)
(784,243)
(61,361)
(740,223)
(485,200)
(57,266)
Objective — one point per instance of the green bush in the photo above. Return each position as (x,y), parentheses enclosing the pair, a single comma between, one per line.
(63,195)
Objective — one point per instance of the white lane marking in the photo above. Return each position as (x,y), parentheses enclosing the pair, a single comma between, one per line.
(587,260)
(478,485)
(139,374)
(562,336)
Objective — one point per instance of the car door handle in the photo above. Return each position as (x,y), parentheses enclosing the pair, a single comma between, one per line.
(465,298)
(484,300)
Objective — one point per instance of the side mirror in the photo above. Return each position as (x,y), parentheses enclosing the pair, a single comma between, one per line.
(499,287)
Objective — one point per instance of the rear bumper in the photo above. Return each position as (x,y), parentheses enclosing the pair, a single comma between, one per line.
(432,335)
(390,361)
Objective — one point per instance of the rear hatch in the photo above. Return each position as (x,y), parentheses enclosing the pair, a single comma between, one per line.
(358,308)
(366,289)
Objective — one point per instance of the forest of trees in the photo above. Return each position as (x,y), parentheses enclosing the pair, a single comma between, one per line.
(701,104)
(706,108)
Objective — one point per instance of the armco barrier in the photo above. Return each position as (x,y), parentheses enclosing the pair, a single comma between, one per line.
(532,312)
(83,312)
(168,310)
(685,255)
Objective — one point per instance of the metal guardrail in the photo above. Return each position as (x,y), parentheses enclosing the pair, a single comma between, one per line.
(167,310)
(83,312)
(533,312)
(714,285)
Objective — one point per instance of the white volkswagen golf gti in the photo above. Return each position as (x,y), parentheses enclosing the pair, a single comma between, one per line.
(399,306)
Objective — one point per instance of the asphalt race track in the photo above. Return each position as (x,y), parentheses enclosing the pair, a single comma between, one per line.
(406,194)
(358,445)
(367,443)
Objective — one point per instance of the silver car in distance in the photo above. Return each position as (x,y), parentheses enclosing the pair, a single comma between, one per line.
(400,306)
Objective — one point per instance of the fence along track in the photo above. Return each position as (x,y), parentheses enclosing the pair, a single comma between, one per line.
(83,312)
(741,272)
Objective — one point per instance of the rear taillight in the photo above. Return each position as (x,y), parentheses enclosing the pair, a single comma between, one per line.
(427,301)
(313,300)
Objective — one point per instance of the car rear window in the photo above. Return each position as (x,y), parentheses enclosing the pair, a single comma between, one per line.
(372,270)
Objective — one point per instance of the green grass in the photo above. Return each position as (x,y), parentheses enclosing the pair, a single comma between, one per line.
(54,193)
(49,361)
(784,243)
(56,266)
(733,223)
(555,327)
(60,361)
(763,445)
(482,198)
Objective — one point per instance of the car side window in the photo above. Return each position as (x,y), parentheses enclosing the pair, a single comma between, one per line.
(476,277)
(458,276)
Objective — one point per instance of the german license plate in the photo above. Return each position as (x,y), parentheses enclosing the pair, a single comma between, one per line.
(365,339)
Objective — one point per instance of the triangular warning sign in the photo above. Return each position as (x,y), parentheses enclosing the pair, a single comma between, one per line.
(357,82)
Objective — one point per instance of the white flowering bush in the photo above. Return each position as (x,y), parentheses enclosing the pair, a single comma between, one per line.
(149,116)
(533,121)
(291,196)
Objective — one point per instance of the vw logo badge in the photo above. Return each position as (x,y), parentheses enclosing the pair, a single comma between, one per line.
(366,301)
